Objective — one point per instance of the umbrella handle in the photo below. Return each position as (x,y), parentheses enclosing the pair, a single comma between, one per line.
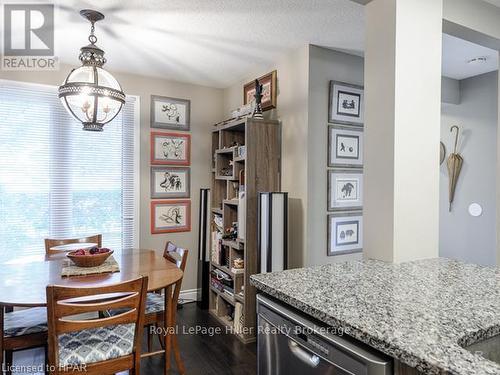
(456,136)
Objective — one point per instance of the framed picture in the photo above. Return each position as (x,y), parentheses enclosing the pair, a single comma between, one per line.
(170,113)
(345,147)
(168,182)
(170,148)
(345,190)
(345,233)
(346,104)
(170,216)
(268,82)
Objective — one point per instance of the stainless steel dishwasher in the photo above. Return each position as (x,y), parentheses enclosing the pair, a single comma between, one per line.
(288,343)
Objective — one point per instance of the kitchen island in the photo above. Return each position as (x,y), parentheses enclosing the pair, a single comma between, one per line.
(420,313)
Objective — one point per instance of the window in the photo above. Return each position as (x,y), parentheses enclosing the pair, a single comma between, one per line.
(59,181)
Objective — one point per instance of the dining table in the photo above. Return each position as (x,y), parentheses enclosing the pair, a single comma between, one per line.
(24,284)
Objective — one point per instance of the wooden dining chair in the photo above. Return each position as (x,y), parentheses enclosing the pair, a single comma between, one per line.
(155,308)
(98,345)
(21,330)
(155,302)
(50,243)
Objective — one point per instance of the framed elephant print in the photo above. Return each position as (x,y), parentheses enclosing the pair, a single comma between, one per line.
(346,105)
(345,233)
(170,148)
(345,190)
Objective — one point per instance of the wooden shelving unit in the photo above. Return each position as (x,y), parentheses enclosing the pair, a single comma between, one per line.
(236,202)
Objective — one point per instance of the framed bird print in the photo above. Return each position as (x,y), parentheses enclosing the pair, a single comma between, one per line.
(345,190)
(345,147)
(169,182)
(345,233)
(346,105)
(170,113)
(170,216)
(170,148)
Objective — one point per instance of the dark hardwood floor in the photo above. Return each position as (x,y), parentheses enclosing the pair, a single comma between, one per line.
(203,354)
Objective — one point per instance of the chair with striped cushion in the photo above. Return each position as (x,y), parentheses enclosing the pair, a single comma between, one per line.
(155,302)
(101,345)
(21,330)
(155,305)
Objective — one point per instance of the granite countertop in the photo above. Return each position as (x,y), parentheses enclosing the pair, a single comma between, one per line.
(420,312)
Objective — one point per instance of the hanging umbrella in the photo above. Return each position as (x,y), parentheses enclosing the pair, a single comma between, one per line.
(454,163)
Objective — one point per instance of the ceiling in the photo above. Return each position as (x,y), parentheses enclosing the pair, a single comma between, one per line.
(208,42)
(219,42)
(494,2)
(456,56)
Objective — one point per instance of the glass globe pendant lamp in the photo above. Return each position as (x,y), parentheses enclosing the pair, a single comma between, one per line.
(90,94)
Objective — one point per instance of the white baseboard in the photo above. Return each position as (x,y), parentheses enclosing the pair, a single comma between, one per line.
(189,295)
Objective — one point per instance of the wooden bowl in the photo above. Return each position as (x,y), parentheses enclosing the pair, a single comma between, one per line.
(89,260)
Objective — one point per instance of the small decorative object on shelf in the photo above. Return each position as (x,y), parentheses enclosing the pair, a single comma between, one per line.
(238,263)
(231,233)
(257,111)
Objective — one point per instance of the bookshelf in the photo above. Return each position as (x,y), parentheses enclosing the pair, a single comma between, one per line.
(245,161)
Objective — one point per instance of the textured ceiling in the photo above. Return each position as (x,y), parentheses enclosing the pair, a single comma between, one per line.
(208,42)
(458,52)
(494,2)
(219,42)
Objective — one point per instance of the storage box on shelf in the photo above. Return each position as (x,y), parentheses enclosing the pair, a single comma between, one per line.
(246,161)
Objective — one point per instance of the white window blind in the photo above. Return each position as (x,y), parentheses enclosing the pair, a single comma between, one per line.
(59,181)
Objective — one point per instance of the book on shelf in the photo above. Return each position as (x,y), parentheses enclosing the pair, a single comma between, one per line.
(237,270)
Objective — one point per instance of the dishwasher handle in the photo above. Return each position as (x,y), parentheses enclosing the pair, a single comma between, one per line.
(309,359)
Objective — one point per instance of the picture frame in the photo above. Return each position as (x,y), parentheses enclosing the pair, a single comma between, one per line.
(345,147)
(170,216)
(170,182)
(345,233)
(170,113)
(269,87)
(170,148)
(345,189)
(346,104)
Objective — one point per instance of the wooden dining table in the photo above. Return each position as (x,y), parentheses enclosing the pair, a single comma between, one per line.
(23,284)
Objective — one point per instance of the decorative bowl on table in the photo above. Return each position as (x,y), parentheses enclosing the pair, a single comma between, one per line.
(92,257)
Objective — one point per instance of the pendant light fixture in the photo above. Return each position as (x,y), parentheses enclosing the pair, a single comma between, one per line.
(89,93)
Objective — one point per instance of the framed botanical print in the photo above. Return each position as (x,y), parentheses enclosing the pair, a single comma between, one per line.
(170,113)
(345,233)
(345,147)
(345,190)
(346,104)
(168,182)
(268,82)
(170,148)
(170,216)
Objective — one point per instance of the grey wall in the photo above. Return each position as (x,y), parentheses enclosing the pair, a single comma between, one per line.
(462,236)
(324,65)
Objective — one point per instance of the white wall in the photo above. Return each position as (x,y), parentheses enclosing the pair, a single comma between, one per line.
(462,236)
(302,107)
(292,110)
(206,109)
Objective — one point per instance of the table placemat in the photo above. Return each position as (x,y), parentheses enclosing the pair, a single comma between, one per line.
(70,269)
